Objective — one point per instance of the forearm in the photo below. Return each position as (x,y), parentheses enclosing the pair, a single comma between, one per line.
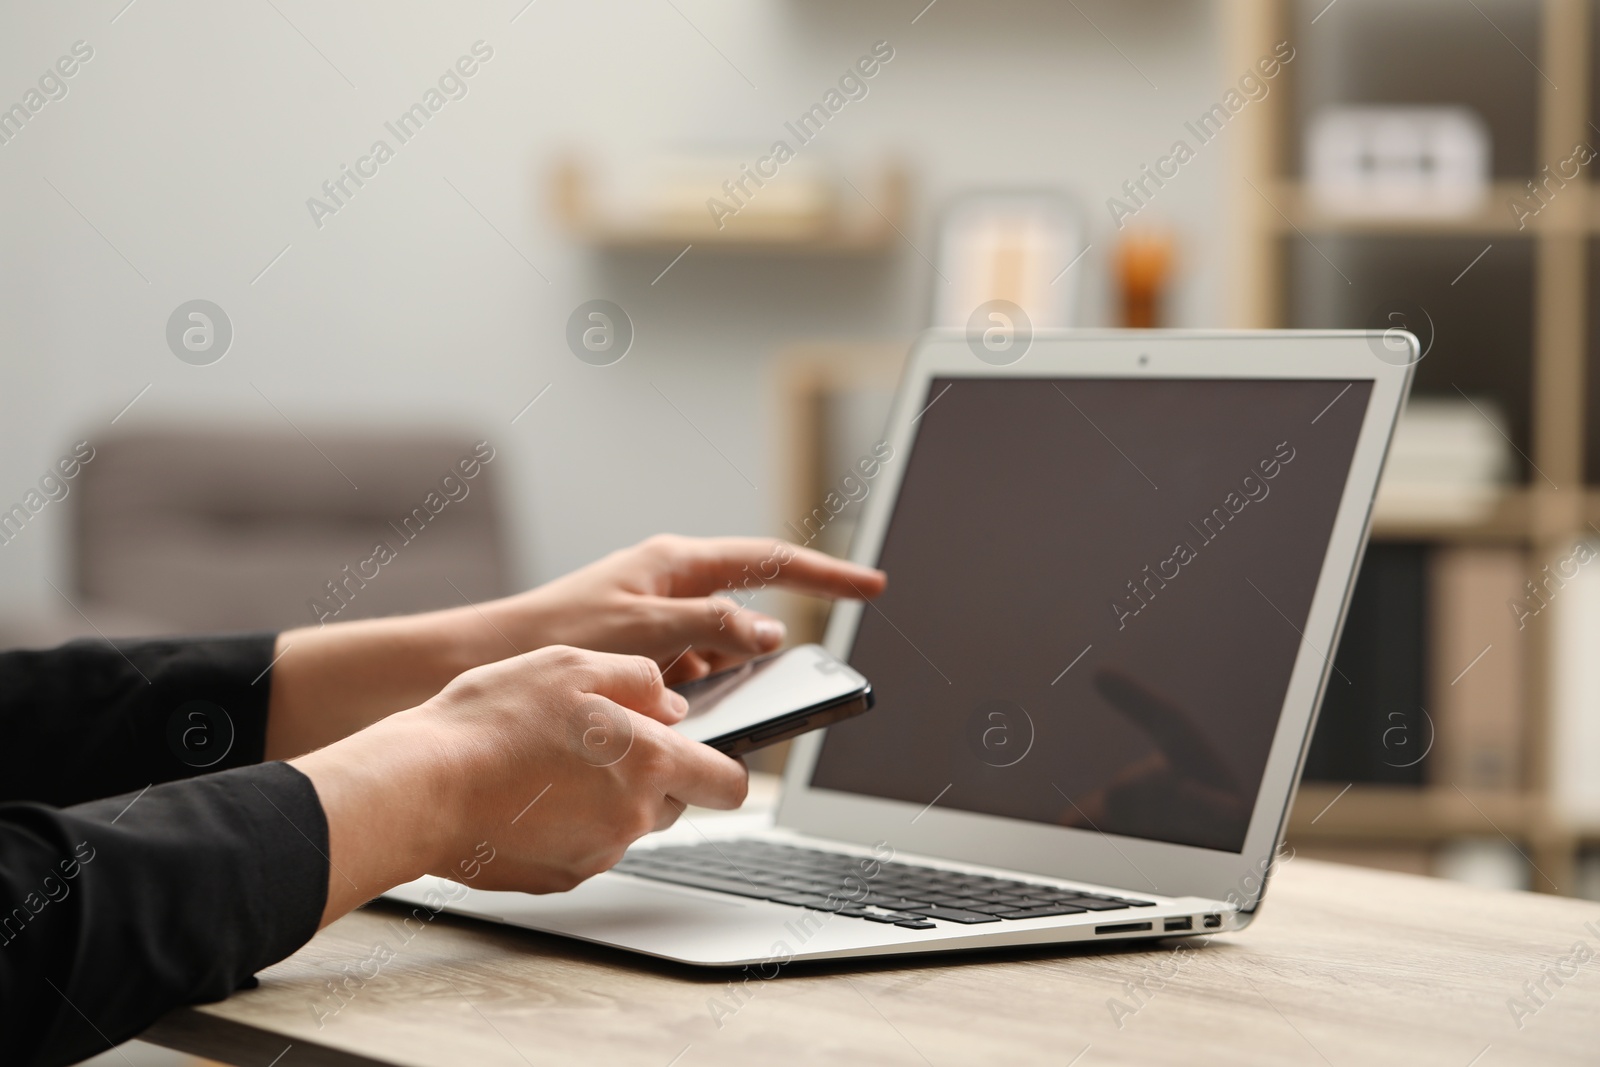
(331,681)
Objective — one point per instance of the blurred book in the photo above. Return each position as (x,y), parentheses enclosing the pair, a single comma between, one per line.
(1478,662)
(1450,461)
(1373,726)
(1397,161)
(1574,736)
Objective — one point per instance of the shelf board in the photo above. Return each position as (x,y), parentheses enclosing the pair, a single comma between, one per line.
(873,229)
(663,239)
(1569,211)
(1395,813)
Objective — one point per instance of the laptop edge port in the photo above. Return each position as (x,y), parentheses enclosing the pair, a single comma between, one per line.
(1171,925)
(1213,921)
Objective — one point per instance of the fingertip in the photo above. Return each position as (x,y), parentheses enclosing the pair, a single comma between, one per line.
(743,792)
(867,582)
(768,633)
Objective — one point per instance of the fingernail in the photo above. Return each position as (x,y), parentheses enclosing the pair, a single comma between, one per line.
(680,702)
(769,632)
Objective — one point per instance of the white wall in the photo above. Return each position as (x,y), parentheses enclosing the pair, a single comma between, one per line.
(194,136)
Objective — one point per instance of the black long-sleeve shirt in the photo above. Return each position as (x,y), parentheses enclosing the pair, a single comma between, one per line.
(198,867)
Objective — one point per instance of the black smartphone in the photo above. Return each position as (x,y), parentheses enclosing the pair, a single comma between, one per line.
(772,698)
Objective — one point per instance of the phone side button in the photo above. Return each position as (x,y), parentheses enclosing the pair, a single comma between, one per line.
(788,727)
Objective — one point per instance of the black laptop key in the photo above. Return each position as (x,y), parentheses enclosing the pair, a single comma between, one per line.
(1044,911)
(991,908)
(809,900)
(899,889)
(940,895)
(916,924)
(955,915)
(1091,904)
(895,917)
(885,900)
(804,885)
(999,895)
(957,903)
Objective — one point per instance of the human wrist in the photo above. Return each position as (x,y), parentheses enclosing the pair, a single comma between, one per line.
(390,804)
(498,629)
(431,767)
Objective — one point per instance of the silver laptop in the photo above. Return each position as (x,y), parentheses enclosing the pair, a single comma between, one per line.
(1118,568)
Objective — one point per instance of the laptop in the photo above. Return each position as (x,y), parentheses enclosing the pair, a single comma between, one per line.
(1118,569)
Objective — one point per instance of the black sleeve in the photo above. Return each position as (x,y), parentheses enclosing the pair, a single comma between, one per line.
(114,911)
(118,910)
(92,719)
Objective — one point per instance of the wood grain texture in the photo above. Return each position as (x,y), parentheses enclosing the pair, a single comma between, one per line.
(1344,966)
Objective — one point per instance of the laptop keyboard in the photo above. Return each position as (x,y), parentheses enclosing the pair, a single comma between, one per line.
(900,893)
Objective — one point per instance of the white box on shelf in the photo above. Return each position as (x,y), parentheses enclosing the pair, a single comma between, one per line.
(1397,161)
(1450,461)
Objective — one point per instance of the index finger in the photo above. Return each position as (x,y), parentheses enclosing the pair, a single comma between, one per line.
(698,774)
(634,682)
(710,564)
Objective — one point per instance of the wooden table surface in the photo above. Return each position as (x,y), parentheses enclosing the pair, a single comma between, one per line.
(1344,966)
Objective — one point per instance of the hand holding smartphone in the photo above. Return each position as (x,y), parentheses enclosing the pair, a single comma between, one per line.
(772,698)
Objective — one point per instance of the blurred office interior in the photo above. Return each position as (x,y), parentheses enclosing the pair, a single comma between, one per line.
(1423,159)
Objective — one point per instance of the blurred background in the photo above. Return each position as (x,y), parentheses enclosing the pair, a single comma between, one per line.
(243,343)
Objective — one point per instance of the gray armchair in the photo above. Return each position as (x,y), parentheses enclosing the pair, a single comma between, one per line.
(200,530)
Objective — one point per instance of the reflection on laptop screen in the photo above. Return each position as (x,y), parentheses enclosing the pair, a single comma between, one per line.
(1096,594)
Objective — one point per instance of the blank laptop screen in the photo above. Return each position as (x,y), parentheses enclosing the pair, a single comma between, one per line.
(1097,590)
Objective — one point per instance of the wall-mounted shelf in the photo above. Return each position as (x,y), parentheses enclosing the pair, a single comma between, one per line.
(868,222)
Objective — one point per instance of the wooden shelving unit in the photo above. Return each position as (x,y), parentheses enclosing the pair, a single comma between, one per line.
(1270,212)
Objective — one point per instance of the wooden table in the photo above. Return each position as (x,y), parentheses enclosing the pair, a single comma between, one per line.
(1344,966)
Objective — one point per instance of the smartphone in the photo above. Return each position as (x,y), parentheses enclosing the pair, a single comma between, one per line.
(772,698)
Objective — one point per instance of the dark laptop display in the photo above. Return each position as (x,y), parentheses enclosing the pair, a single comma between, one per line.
(1097,592)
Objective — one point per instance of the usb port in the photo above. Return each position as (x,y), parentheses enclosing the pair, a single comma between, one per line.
(1185,923)
(1213,921)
